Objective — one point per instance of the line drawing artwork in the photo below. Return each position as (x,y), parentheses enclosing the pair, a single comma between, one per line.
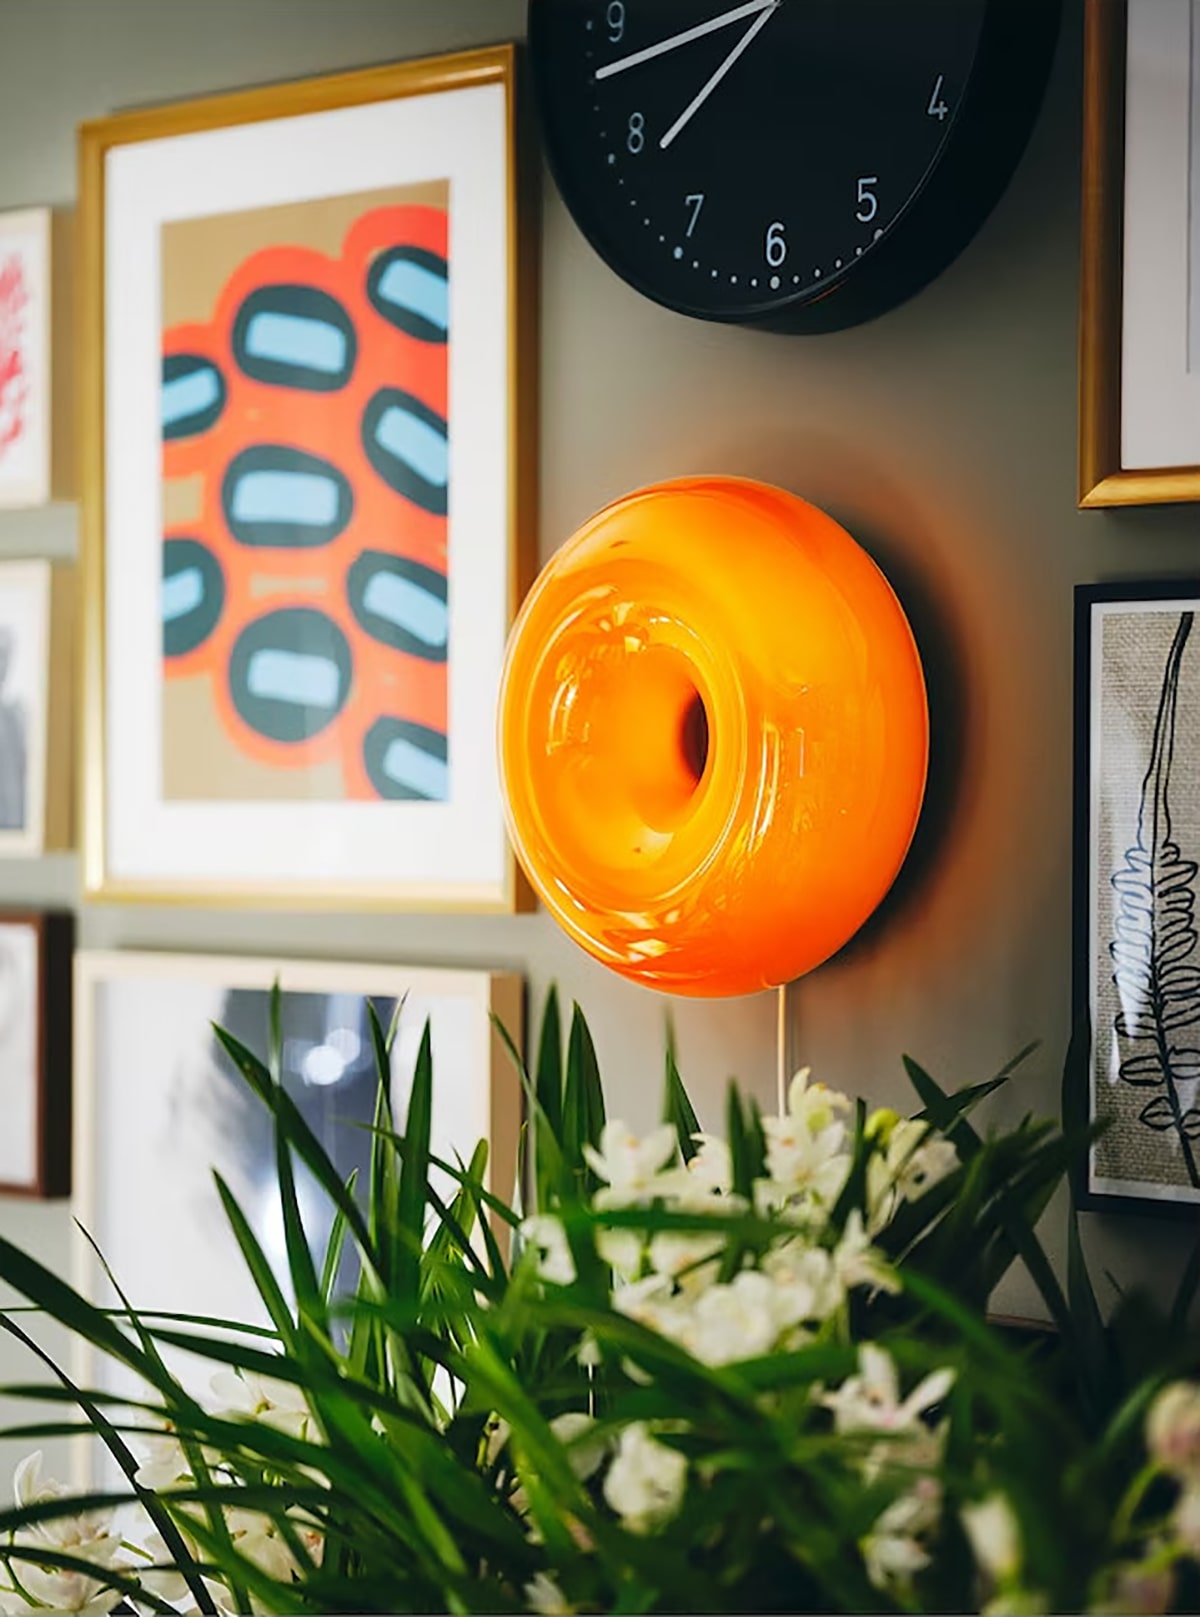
(1154,943)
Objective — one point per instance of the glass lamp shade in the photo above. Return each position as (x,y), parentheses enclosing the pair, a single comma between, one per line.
(713,736)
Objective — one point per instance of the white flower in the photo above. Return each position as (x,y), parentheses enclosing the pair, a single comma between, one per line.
(585,1452)
(995,1538)
(799,1160)
(258,1538)
(1173,1429)
(805,1284)
(89,1535)
(164,1464)
(547,1234)
(646,1480)
(546,1598)
(871,1402)
(620,1249)
(1136,1589)
(916,1510)
(280,1404)
(815,1104)
(711,1168)
(629,1165)
(734,1321)
(913,1161)
(892,1558)
(857,1263)
(1185,1519)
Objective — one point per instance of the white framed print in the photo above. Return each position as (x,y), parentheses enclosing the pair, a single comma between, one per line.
(1139,392)
(35,1052)
(307,485)
(36,667)
(35,346)
(159,1107)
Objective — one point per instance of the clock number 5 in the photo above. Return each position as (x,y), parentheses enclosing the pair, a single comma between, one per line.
(868,202)
(775,246)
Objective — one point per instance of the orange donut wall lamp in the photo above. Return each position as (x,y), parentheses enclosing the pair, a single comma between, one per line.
(713,736)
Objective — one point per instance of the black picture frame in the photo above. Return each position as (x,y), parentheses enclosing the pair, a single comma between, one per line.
(1094,956)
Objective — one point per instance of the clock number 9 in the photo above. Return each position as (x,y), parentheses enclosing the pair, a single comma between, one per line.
(615,18)
(636,138)
(868,202)
(776,245)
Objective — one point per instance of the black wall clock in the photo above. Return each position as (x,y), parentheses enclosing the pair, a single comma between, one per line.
(797,164)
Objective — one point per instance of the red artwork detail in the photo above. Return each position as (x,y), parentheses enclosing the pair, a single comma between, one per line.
(14,379)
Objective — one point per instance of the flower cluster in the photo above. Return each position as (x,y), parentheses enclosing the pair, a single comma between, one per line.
(791,1291)
(139,1553)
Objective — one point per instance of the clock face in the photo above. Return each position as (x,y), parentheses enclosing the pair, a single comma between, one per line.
(736,158)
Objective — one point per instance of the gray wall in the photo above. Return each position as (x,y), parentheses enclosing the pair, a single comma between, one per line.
(942,435)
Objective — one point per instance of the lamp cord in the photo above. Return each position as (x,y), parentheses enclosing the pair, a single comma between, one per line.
(782,1045)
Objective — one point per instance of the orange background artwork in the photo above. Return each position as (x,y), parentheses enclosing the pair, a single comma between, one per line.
(216,743)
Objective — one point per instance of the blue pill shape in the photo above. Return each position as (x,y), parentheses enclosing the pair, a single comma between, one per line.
(193,395)
(290,673)
(410,288)
(400,603)
(406,761)
(276,497)
(295,336)
(193,595)
(408,444)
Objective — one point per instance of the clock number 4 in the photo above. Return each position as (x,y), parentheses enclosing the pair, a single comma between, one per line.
(937,108)
(868,202)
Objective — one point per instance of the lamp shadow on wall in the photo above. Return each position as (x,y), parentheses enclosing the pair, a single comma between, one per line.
(948,696)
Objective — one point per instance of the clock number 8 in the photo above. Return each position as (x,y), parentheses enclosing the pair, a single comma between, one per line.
(637,132)
(615,18)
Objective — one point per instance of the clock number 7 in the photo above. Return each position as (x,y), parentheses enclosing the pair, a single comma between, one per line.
(695,202)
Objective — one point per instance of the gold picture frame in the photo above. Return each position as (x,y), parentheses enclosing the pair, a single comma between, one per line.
(1107,475)
(469,92)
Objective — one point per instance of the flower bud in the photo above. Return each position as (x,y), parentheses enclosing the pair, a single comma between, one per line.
(1173,1429)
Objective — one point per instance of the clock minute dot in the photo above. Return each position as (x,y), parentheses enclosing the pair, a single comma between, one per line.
(679,252)
(878,233)
(774,283)
(858,252)
(817,274)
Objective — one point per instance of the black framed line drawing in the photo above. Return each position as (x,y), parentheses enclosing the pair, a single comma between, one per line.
(1137,876)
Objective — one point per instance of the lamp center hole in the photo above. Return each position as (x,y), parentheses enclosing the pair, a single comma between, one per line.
(693,737)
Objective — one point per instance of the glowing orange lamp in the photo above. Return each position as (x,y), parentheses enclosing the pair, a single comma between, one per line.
(713,736)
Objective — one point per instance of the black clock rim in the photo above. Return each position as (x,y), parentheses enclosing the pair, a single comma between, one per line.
(991,128)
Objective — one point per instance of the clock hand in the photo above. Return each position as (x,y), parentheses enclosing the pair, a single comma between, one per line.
(702,96)
(673,43)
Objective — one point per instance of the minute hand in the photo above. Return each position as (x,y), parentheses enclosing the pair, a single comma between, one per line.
(676,40)
(702,95)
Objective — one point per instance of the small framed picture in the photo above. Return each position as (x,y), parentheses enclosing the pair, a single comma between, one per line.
(35,1053)
(308,495)
(36,658)
(1137,876)
(1139,419)
(35,349)
(159,1107)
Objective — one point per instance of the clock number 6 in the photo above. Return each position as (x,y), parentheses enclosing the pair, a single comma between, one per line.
(775,246)
(868,202)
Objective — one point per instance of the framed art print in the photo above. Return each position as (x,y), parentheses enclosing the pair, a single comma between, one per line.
(159,1107)
(307,488)
(35,1053)
(35,348)
(1140,292)
(1137,875)
(36,662)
